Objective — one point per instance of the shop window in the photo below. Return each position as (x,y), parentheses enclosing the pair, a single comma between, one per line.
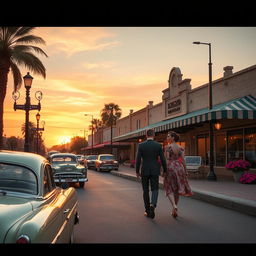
(203,148)
(250,146)
(220,149)
(235,145)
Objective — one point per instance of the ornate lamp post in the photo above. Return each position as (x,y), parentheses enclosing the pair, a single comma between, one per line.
(92,131)
(211,175)
(27,106)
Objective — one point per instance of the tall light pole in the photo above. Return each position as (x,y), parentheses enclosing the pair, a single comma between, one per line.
(211,175)
(37,132)
(27,106)
(92,131)
(111,130)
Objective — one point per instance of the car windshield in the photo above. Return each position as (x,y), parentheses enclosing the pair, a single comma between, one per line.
(92,157)
(18,179)
(107,158)
(64,160)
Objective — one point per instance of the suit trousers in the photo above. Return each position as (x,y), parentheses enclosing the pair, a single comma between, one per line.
(153,180)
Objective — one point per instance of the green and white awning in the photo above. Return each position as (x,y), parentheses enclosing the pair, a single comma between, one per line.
(241,108)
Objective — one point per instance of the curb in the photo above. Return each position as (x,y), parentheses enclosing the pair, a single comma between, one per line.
(232,203)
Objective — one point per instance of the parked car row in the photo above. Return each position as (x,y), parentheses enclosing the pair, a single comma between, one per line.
(32,208)
(36,204)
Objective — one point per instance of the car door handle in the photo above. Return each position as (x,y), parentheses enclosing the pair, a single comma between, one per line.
(66,211)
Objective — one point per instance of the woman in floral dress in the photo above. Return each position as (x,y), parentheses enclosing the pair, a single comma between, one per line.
(175,180)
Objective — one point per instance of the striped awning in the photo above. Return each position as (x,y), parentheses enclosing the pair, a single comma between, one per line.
(241,108)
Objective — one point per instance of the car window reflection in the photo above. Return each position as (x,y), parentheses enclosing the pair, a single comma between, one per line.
(18,179)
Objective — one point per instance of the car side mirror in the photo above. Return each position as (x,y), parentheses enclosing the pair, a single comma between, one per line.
(64,185)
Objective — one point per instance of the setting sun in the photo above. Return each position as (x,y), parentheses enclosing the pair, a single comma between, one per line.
(64,139)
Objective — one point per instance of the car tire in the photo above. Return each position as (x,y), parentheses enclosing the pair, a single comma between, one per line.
(81,184)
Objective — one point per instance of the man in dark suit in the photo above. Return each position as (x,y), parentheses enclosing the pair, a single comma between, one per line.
(150,151)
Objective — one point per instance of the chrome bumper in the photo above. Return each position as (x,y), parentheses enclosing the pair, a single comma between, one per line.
(70,179)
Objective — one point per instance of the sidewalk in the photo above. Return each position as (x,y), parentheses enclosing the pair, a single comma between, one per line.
(228,194)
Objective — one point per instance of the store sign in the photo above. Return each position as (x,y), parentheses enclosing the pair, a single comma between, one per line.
(174,106)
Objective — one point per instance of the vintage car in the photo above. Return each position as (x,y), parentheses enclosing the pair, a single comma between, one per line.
(32,208)
(90,161)
(106,162)
(66,168)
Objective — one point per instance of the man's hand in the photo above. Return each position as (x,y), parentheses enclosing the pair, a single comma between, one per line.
(163,174)
(138,175)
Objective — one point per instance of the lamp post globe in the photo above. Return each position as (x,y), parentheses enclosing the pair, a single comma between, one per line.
(28,79)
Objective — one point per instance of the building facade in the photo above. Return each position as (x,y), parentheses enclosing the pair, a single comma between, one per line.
(185,111)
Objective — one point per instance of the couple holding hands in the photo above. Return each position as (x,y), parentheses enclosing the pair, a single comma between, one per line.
(174,171)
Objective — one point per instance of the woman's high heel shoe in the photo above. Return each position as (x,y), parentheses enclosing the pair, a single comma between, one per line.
(174,213)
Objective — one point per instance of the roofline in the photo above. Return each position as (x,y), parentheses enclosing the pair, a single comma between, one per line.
(240,72)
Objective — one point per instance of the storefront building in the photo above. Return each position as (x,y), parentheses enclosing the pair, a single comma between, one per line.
(185,111)
(102,143)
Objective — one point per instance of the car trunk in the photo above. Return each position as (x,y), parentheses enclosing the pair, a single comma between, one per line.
(66,168)
(12,209)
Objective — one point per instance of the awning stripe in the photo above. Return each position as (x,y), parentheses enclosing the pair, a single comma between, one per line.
(249,102)
(240,114)
(251,99)
(245,104)
(235,106)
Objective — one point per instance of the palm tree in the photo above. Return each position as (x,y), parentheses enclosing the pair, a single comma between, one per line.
(16,50)
(109,115)
(96,124)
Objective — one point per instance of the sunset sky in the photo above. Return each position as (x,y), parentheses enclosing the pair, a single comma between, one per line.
(90,66)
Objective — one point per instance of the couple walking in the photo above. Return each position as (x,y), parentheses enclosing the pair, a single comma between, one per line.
(174,171)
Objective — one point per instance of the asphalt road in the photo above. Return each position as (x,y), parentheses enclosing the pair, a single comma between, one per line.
(111,211)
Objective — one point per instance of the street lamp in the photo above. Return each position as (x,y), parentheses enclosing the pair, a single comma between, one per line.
(28,79)
(92,131)
(37,131)
(211,175)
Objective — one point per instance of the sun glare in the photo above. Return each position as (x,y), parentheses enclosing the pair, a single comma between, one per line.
(64,139)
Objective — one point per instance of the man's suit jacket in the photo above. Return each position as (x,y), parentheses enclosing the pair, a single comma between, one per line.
(149,151)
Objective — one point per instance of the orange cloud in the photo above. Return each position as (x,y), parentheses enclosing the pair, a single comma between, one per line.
(70,40)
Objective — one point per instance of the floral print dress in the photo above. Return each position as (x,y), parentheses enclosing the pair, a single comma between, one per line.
(176,181)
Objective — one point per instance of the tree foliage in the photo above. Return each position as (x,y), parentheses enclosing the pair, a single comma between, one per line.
(110,114)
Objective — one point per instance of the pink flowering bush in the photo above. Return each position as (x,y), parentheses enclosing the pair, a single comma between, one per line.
(239,165)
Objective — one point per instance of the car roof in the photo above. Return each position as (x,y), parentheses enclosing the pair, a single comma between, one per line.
(106,155)
(63,154)
(29,160)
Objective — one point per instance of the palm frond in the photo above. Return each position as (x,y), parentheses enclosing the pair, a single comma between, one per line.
(24,30)
(28,48)
(30,39)
(30,61)
(17,78)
